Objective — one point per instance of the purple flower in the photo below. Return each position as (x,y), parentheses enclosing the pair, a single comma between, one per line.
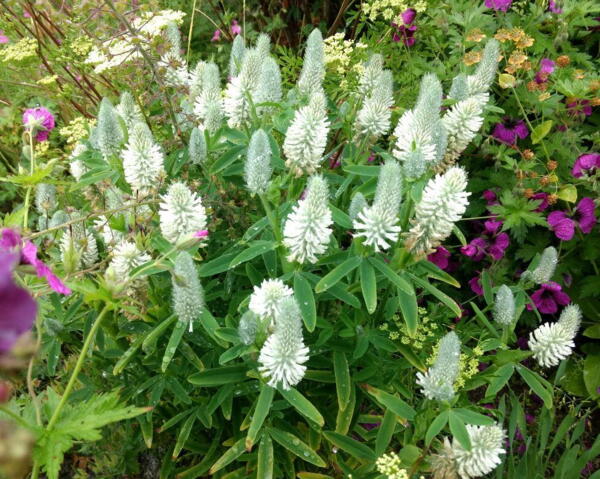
(502,5)
(3,37)
(583,217)
(586,162)
(10,242)
(201,234)
(18,307)
(490,198)
(39,121)
(216,36)
(553,7)
(543,198)
(548,297)
(579,108)
(440,257)
(509,130)
(475,285)
(236,29)
(492,242)
(408,16)
(546,69)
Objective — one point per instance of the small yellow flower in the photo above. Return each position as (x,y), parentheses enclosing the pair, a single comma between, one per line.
(503,35)
(472,57)
(21,50)
(517,58)
(475,35)
(544,96)
(579,74)
(47,80)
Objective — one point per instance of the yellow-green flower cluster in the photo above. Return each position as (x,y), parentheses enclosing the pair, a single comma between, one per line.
(390,10)
(427,330)
(389,464)
(77,129)
(47,80)
(21,50)
(344,57)
(468,367)
(81,46)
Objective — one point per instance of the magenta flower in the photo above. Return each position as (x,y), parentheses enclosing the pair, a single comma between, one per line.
(548,297)
(11,242)
(492,242)
(3,37)
(498,5)
(543,199)
(440,257)
(579,108)
(586,164)
(490,198)
(201,234)
(547,67)
(509,130)
(39,121)
(553,7)
(18,307)
(216,36)
(236,29)
(406,32)
(475,285)
(563,224)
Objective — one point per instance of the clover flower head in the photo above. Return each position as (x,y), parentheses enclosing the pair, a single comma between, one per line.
(188,295)
(484,455)
(504,306)
(265,298)
(553,342)
(142,159)
(181,213)
(438,381)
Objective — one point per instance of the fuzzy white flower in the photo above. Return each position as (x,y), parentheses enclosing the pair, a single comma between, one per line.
(443,202)
(545,269)
(374,117)
(308,227)
(313,66)
(76,166)
(484,455)
(438,381)
(78,247)
(265,299)
(181,213)
(258,169)
(553,342)
(462,122)
(142,159)
(126,257)
(109,235)
(504,306)
(45,198)
(283,354)
(208,106)
(378,224)
(108,131)
(188,295)
(241,90)
(129,110)
(306,137)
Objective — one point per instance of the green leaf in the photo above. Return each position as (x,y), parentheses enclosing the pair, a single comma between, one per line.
(265,460)
(385,432)
(50,451)
(533,380)
(591,374)
(343,420)
(342,378)
(436,426)
(256,249)
(397,405)
(362,170)
(219,376)
(568,193)
(356,449)
(368,284)
(459,430)
(151,338)
(340,218)
(263,405)
(227,159)
(217,265)
(410,313)
(472,417)
(334,276)
(389,273)
(540,131)
(174,340)
(433,271)
(230,455)
(443,297)
(302,405)
(184,434)
(500,378)
(306,301)
(297,447)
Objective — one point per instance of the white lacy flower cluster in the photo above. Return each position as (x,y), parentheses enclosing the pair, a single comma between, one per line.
(123,48)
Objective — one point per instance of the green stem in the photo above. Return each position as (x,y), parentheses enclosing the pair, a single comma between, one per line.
(78,366)
(15,417)
(29,188)
(285,265)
